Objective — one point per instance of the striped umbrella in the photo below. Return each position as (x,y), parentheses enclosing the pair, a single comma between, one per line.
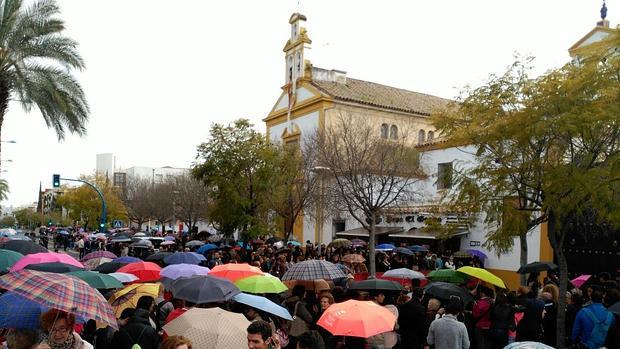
(313,269)
(99,254)
(61,292)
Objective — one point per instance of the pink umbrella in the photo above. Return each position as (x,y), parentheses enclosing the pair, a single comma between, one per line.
(580,280)
(47,257)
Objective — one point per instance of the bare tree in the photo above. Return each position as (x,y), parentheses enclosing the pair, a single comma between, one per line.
(367,173)
(190,199)
(138,200)
(161,202)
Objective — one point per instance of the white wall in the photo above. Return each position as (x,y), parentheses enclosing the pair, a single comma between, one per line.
(105,165)
(307,124)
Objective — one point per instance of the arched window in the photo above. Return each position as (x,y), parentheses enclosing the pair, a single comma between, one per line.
(393,132)
(430,136)
(384,131)
(421,138)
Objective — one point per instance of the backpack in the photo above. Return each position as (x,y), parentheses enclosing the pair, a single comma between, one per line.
(599,332)
(136,345)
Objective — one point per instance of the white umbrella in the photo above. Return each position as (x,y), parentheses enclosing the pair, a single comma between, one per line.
(404,273)
(124,277)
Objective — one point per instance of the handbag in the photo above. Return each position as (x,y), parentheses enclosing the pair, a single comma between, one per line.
(299,326)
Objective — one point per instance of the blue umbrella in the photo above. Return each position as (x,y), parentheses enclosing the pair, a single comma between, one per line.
(19,312)
(206,248)
(126,259)
(418,248)
(385,247)
(264,304)
(294,243)
(184,257)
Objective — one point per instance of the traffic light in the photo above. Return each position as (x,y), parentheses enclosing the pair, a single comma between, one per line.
(56,181)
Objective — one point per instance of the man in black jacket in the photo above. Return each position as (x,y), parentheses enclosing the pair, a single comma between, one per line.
(138,329)
(412,321)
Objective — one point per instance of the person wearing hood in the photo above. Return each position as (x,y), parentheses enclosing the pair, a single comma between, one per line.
(138,329)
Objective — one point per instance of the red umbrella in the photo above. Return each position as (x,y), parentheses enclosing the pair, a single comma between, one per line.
(145,271)
(357,319)
(234,272)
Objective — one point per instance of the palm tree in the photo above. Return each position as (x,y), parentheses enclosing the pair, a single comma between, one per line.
(36,64)
(4,189)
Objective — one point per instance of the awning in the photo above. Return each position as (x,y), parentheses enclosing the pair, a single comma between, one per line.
(419,234)
(362,232)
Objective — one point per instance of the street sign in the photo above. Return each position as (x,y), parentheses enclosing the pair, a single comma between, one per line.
(117,224)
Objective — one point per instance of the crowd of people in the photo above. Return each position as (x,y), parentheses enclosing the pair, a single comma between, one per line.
(487,318)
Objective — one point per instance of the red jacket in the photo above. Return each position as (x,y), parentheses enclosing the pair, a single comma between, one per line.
(482,313)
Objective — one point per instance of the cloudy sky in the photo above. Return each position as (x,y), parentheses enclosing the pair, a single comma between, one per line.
(159,73)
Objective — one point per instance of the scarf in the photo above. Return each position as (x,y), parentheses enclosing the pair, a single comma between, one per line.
(68,344)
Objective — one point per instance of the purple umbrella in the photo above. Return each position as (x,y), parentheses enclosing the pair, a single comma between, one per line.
(126,259)
(477,253)
(176,271)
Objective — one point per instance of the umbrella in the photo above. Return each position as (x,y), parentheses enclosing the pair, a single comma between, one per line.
(61,292)
(169,238)
(353,258)
(120,239)
(376,284)
(176,271)
(311,285)
(357,319)
(536,267)
(462,254)
(404,273)
(97,280)
(99,254)
(404,251)
(54,267)
(145,271)
(8,258)
(19,312)
(580,280)
(261,284)
(142,244)
(418,248)
(204,289)
(358,243)
(338,243)
(47,257)
(95,262)
(194,243)
(264,304)
(124,277)
(235,272)
(159,256)
(184,257)
(258,241)
(293,243)
(167,243)
(477,253)
(139,234)
(615,308)
(527,345)
(212,328)
(63,232)
(446,290)
(128,297)
(109,267)
(206,248)
(313,269)
(272,240)
(483,275)
(23,246)
(385,247)
(126,259)
(447,275)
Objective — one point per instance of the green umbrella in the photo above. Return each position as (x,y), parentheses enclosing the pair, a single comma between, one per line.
(8,258)
(337,243)
(97,280)
(261,284)
(447,275)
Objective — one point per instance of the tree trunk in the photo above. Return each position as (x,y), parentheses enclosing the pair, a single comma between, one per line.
(4,104)
(556,239)
(523,257)
(371,248)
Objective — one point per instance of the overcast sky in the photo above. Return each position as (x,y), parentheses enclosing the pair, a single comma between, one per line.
(159,73)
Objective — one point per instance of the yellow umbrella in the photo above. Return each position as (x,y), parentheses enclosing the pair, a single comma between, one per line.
(128,296)
(482,275)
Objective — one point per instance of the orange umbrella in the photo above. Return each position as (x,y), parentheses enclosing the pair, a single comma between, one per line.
(234,272)
(354,258)
(357,319)
(312,285)
(145,271)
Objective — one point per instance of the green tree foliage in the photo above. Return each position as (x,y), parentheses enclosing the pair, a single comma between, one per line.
(232,165)
(549,144)
(26,218)
(4,189)
(84,205)
(7,221)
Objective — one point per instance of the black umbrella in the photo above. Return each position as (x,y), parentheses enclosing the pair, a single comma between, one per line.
(23,246)
(54,267)
(159,256)
(537,267)
(272,240)
(204,289)
(615,308)
(377,284)
(109,267)
(404,251)
(446,290)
